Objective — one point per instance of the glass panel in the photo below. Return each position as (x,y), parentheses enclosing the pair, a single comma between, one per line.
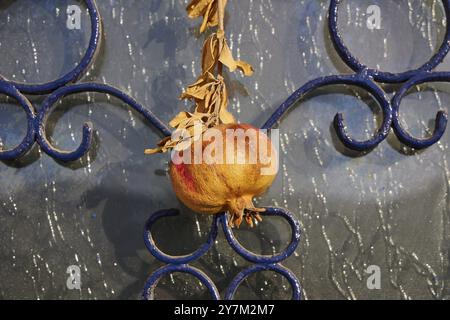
(388,208)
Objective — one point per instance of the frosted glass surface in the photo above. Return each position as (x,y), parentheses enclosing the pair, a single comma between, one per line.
(388,208)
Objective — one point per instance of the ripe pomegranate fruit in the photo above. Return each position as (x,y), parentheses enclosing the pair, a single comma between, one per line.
(238,162)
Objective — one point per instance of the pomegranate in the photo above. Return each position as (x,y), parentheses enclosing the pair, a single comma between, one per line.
(221,181)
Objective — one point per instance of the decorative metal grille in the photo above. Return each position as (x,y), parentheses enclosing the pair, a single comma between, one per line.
(363,77)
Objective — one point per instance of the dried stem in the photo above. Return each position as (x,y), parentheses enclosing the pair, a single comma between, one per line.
(221,15)
(221,11)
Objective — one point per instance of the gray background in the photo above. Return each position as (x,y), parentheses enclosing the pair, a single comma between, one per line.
(387,208)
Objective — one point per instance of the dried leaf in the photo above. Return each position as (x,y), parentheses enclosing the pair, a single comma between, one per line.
(153,151)
(197,8)
(211,56)
(226,58)
(199,89)
(182,116)
(208,9)
(226,117)
(162,147)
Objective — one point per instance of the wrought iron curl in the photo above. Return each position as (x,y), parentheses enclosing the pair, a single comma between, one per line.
(441,117)
(83,65)
(264,259)
(44,88)
(161,256)
(50,103)
(153,280)
(9,90)
(260,262)
(288,274)
(367,78)
(377,75)
(361,80)
(58,89)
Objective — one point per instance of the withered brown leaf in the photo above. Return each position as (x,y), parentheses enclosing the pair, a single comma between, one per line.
(208,9)
(211,55)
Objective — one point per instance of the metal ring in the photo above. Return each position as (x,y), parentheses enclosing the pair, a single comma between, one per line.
(380,76)
(50,103)
(161,256)
(86,61)
(361,80)
(441,117)
(288,274)
(256,258)
(28,140)
(152,282)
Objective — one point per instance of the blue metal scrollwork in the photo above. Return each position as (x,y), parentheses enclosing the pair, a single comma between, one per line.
(261,262)
(366,78)
(293,281)
(79,70)
(58,89)
(85,145)
(152,282)
(161,256)
(9,90)
(377,75)
(361,80)
(441,117)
